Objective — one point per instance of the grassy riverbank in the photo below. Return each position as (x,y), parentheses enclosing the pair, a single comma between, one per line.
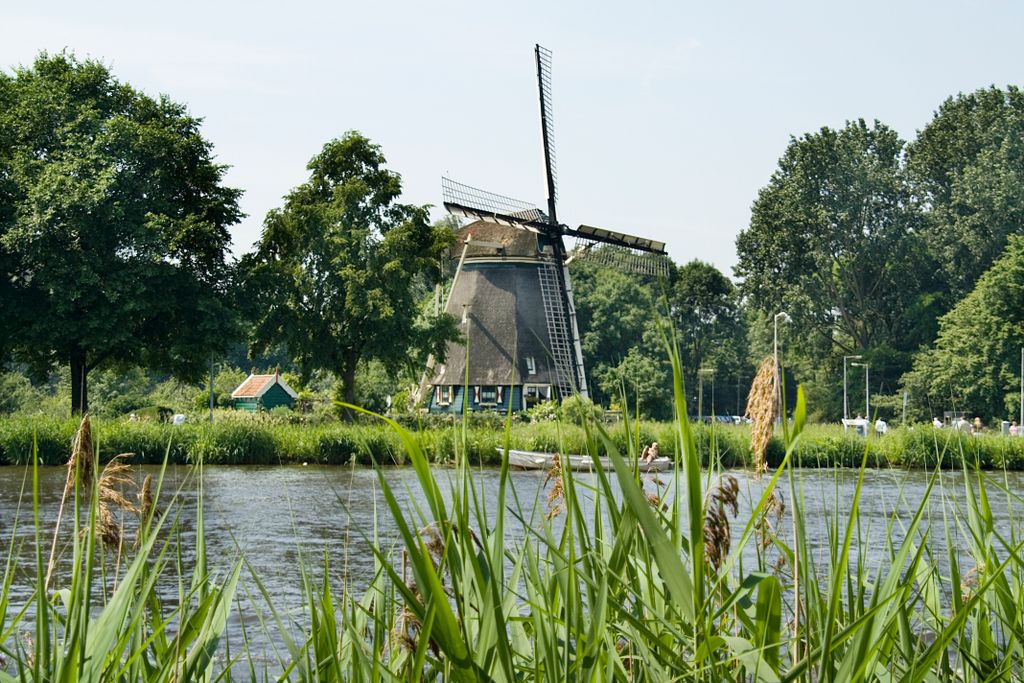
(242,440)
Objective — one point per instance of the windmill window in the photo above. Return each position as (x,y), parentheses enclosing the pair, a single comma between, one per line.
(531,365)
(488,395)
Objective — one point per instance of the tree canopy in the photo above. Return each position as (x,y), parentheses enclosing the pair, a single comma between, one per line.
(705,309)
(113,226)
(331,278)
(974,364)
(967,170)
(834,240)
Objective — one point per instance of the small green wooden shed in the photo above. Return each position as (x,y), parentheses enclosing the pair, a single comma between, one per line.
(263,392)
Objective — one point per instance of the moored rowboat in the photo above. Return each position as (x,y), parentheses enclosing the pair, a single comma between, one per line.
(535,460)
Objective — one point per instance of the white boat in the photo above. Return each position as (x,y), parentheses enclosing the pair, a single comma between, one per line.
(534,460)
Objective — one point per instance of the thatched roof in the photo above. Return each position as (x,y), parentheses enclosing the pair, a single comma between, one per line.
(515,242)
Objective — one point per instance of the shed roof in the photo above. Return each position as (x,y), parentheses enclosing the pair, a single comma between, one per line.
(255,386)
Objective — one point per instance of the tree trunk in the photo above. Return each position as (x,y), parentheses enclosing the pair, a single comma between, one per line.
(348,383)
(79,383)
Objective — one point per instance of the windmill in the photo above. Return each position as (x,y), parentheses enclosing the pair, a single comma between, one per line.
(513,293)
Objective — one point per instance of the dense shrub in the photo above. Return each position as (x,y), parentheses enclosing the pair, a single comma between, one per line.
(247,439)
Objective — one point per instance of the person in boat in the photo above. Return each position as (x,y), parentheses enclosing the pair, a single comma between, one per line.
(650,453)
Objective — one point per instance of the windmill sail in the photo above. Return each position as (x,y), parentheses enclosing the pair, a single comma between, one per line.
(620,251)
(620,239)
(547,126)
(476,204)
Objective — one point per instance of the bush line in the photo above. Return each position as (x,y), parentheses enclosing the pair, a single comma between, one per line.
(263,442)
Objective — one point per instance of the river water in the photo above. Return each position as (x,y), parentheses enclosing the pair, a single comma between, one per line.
(281,516)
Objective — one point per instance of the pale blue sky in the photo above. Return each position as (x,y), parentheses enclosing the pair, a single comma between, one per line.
(670,115)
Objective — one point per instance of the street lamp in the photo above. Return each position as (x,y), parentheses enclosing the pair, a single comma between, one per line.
(846,412)
(867,388)
(778,389)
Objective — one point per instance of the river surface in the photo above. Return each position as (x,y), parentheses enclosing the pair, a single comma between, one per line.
(280,516)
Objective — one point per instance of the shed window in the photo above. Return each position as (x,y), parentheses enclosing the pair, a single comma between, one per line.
(488,395)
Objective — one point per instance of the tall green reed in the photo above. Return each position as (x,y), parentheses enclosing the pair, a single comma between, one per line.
(631,580)
(87,627)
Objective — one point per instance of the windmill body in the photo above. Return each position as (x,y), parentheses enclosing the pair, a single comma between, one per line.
(504,361)
(513,294)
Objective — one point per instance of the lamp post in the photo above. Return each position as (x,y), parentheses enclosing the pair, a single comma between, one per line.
(700,396)
(210,387)
(778,389)
(867,388)
(846,411)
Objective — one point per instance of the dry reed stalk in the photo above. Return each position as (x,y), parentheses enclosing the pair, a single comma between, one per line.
(146,503)
(762,409)
(406,631)
(80,466)
(969,582)
(146,508)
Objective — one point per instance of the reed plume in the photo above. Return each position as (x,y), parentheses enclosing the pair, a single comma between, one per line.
(556,496)
(765,528)
(80,464)
(762,409)
(717,533)
(115,476)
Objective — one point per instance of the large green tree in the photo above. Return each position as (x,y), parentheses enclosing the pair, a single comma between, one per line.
(613,311)
(705,310)
(975,362)
(967,170)
(113,226)
(834,241)
(332,278)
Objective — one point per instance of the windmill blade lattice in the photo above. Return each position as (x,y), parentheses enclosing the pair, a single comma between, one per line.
(547,122)
(620,258)
(472,202)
